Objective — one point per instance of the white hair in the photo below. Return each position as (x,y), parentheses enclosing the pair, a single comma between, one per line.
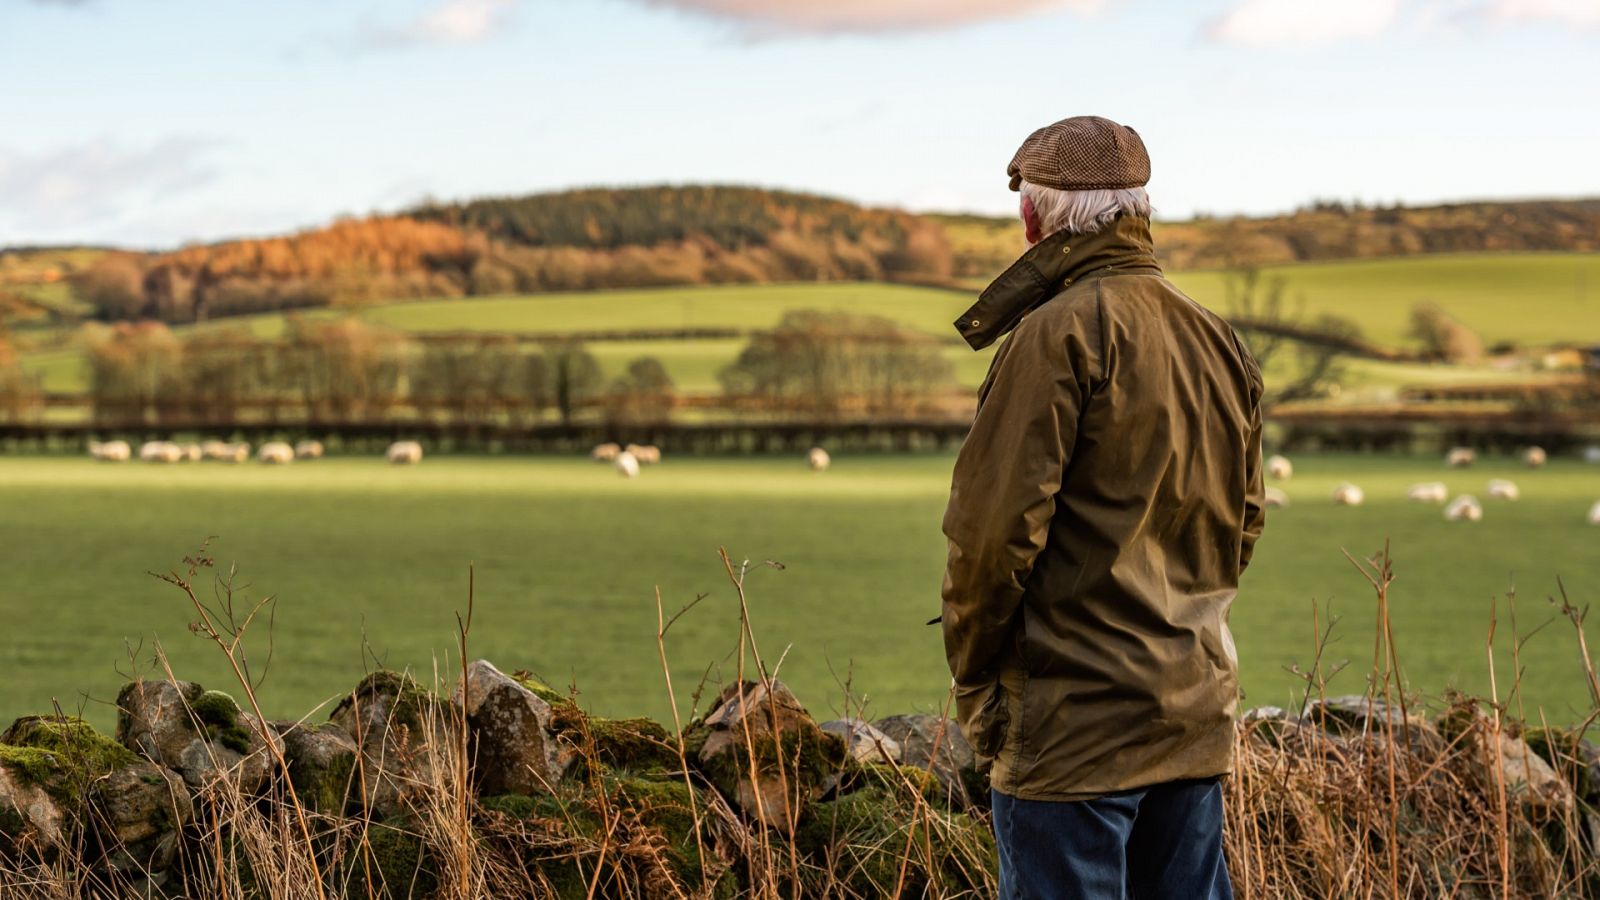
(1083,212)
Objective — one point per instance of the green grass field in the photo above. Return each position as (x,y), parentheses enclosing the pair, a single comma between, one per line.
(1523,297)
(370,562)
(1528,298)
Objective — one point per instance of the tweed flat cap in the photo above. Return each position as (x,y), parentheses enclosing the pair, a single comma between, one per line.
(1082,153)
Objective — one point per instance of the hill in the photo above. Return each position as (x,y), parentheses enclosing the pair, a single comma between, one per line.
(576,240)
(645,237)
(1323,232)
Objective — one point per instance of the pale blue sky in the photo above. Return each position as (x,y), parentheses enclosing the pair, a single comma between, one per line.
(152,122)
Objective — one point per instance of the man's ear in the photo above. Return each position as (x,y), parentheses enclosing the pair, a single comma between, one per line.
(1030,221)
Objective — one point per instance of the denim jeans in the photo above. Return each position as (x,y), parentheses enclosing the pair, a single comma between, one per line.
(1154,843)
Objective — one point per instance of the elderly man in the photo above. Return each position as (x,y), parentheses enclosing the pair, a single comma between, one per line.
(1101,511)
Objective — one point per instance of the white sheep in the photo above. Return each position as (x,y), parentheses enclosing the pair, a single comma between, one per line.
(190,453)
(1501,489)
(1348,494)
(275,453)
(626,464)
(214,450)
(1428,492)
(604,453)
(235,453)
(1534,457)
(1591,455)
(1464,508)
(1460,457)
(1276,498)
(818,459)
(308,450)
(160,452)
(404,453)
(1279,468)
(1594,513)
(110,451)
(646,454)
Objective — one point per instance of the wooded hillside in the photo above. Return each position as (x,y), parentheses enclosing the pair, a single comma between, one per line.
(577,240)
(659,236)
(1323,231)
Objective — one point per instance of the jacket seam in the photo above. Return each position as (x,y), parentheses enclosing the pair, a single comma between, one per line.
(1100,328)
(1021,725)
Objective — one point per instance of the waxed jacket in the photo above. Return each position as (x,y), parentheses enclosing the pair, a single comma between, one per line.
(1101,511)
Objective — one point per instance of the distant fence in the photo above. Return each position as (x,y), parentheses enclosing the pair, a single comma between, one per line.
(1394,430)
(691,439)
(1422,429)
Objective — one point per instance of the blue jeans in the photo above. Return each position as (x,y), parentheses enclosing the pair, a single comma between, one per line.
(1163,841)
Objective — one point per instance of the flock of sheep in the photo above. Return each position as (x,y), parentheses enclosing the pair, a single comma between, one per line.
(271,453)
(1464,508)
(627,460)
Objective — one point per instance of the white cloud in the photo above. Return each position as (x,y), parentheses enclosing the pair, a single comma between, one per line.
(96,181)
(1579,13)
(868,16)
(1270,23)
(449,22)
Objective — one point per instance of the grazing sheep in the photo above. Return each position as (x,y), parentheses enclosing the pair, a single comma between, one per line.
(626,465)
(1428,492)
(160,452)
(235,453)
(190,453)
(604,453)
(215,450)
(1279,468)
(110,451)
(1277,499)
(276,453)
(1591,455)
(1460,457)
(308,450)
(404,453)
(1534,457)
(818,459)
(1348,494)
(1594,513)
(1464,508)
(646,454)
(1501,489)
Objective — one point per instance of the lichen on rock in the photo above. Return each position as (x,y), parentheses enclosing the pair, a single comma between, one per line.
(198,733)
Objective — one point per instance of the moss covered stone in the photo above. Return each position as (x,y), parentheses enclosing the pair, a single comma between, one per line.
(653,803)
(409,702)
(200,734)
(639,745)
(72,737)
(669,808)
(400,864)
(219,714)
(858,839)
(541,690)
(61,754)
(1564,749)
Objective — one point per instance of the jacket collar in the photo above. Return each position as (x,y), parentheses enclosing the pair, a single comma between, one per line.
(1048,268)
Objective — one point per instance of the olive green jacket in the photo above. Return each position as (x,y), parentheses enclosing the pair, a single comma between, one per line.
(1101,511)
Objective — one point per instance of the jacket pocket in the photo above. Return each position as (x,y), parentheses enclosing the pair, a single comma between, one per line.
(989,732)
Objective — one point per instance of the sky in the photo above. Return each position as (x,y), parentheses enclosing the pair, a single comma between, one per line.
(150,123)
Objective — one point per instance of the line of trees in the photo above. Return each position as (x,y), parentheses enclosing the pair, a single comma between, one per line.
(822,366)
(341,370)
(19,396)
(827,364)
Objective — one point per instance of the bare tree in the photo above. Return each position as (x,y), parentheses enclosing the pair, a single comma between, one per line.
(1277,330)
